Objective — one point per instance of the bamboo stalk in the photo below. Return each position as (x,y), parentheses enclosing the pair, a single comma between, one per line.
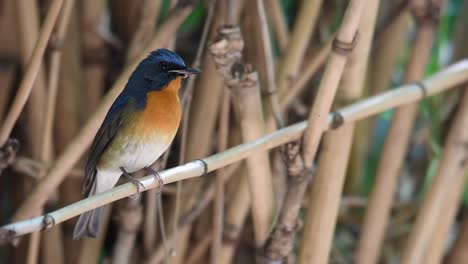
(438,242)
(130,219)
(279,23)
(7,72)
(203,110)
(329,180)
(28,22)
(31,71)
(345,38)
(245,88)
(272,100)
(301,33)
(448,183)
(459,252)
(310,69)
(236,214)
(391,160)
(218,207)
(73,152)
(444,80)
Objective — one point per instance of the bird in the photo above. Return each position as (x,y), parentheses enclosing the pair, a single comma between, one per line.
(139,127)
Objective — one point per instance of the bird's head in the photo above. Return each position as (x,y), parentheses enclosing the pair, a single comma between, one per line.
(157,70)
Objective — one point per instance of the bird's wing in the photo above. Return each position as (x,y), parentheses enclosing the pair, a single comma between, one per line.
(110,127)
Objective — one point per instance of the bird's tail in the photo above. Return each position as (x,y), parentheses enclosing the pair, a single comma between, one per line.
(89,222)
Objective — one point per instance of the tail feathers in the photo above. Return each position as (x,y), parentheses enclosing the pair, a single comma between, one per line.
(88,224)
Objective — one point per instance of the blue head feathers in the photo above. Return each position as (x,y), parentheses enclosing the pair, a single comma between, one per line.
(154,73)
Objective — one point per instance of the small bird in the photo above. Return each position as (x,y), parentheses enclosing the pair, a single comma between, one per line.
(139,126)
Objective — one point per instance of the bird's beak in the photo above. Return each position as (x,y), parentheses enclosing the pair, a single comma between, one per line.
(186,72)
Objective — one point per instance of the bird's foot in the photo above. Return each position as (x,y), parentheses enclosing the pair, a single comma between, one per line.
(158,177)
(133,180)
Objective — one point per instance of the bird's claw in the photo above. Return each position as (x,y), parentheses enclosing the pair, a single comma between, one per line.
(158,178)
(133,180)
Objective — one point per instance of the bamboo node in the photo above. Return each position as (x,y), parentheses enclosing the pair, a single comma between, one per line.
(342,47)
(427,14)
(337,120)
(422,87)
(6,235)
(204,165)
(8,153)
(47,222)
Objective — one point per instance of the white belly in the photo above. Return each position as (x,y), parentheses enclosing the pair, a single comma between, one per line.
(137,155)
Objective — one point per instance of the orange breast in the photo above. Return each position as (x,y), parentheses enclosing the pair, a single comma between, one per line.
(162,112)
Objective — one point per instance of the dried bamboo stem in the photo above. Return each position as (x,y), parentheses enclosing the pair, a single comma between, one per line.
(7,72)
(444,80)
(310,69)
(301,33)
(279,23)
(329,180)
(75,149)
(459,252)
(244,85)
(391,160)
(52,248)
(270,89)
(218,208)
(345,38)
(27,14)
(31,71)
(436,249)
(236,213)
(150,10)
(449,179)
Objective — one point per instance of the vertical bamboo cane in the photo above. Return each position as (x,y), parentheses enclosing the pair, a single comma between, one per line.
(459,252)
(302,31)
(329,181)
(393,153)
(28,22)
(244,84)
(450,178)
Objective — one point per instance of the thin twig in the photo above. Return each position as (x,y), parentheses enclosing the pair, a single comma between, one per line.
(439,82)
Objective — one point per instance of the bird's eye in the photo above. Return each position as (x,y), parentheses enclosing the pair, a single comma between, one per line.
(163,65)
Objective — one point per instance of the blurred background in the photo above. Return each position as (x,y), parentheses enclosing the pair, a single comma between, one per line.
(95,41)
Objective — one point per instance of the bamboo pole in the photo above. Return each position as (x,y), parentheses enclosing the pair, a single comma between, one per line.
(73,152)
(444,80)
(52,246)
(393,153)
(438,243)
(218,207)
(446,188)
(329,180)
(28,22)
(279,23)
(201,124)
(31,71)
(301,33)
(343,43)
(245,88)
(459,252)
(236,214)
